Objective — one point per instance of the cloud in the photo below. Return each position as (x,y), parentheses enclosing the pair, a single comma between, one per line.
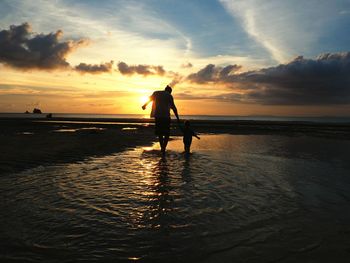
(344,12)
(20,48)
(101,104)
(94,68)
(285,29)
(187,65)
(321,81)
(144,70)
(212,73)
(224,97)
(324,80)
(176,78)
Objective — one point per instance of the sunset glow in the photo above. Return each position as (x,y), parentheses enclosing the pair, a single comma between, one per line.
(221,57)
(144,99)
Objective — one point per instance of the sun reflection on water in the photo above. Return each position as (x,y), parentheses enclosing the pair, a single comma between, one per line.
(139,204)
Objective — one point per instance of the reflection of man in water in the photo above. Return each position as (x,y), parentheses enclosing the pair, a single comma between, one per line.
(162,103)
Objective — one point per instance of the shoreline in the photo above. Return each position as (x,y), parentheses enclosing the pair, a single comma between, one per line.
(27,143)
(339,130)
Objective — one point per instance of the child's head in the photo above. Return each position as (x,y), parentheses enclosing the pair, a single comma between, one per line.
(187,124)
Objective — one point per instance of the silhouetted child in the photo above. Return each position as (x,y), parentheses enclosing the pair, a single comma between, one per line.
(188,133)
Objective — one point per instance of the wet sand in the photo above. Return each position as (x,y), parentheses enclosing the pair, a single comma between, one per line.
(27,143)
(30,143)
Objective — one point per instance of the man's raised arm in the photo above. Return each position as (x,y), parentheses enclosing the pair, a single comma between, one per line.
(145,105)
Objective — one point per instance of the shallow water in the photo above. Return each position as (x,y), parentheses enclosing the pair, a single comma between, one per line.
(235,198)
(344,119)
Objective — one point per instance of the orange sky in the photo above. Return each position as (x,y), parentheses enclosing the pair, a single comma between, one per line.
(109,61)
(111,93)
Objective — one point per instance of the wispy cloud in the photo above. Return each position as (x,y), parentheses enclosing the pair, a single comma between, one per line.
(251,16)
(283,28)
(112,26)
(344,12)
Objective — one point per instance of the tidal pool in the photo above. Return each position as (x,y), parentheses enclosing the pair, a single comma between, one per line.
(236,198)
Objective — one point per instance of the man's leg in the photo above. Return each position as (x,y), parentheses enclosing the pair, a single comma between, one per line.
(165,141)
(161,141)
(167,133)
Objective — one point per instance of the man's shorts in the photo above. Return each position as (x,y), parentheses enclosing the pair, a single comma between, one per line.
(162,126)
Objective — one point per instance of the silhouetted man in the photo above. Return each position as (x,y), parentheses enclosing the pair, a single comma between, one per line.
(162,103)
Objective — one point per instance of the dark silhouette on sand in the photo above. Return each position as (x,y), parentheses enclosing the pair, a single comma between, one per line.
(37,111)
(163,101)
(188,133)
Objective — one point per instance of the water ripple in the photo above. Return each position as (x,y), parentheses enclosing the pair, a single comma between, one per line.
(232,198)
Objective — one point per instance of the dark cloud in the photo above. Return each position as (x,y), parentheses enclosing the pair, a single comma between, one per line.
(320,81)
(176,78)
(144,70)
(20,48)
(212,73)
(159,70)
(190,96)
(94,68)
(324,80)
(187,65)
(227,97)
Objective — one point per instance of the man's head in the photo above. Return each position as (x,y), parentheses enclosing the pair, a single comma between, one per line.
(168,89)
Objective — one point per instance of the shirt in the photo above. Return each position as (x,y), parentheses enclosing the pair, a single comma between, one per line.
(162,103)
(188,133)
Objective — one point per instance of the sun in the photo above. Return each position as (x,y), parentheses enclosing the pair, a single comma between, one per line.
(144,99)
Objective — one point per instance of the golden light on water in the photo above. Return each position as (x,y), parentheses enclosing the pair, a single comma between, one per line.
(147,149)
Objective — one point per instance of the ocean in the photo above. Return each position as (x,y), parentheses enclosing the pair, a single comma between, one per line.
(321,119)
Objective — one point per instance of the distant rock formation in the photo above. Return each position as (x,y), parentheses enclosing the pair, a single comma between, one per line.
(27,112)
(49,115)
(37,111)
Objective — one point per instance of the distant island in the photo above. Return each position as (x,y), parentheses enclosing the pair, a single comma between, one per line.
(37,111)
